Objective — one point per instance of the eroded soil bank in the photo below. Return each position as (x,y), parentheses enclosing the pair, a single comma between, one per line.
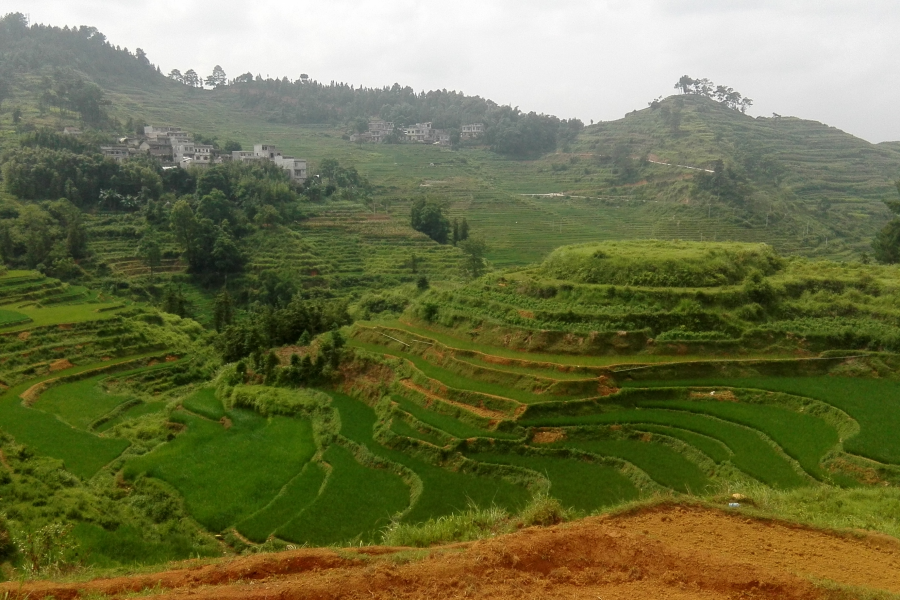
(668,552)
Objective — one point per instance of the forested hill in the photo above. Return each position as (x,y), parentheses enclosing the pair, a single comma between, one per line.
(36,49)
(71,63)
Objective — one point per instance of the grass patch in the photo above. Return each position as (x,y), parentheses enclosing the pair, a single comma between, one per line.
(548,373)
(134,412)
(63,313)
(357,501)
(663,464)
(83,453)
(444,492)
(297,494)
(127,546)
(578,484)
(401,427)
(11,317)
(752,454)
(459,382)
(204,403)
(79,403)
(475,523)
(874,403)
(446,423)
(560,359)
(660,263)
(869,508)
(225,475)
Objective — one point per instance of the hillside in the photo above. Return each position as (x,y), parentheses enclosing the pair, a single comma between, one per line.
(810,189)
(223,360)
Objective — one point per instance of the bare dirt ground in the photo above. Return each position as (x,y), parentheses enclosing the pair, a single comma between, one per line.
(668,552)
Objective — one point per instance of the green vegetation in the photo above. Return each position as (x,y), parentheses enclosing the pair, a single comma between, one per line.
(235,469)
(451,425)
(80,403)
(871,402)
(133,412)
(356,502)
(709,446)
(444,491)
(578,484)
(751,452)
(663,464)
(203,402)
(299,493)
(803,437)
(660,264)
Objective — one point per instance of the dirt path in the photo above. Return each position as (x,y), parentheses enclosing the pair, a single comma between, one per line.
(670,553)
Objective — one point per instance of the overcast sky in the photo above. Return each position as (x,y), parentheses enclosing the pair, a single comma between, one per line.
(834,61)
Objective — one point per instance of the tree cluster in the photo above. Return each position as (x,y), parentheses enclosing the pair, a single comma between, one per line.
(89,180)
(190,78)
(48,237)
(720,93)
(68,91)
(886,245)
(26,48)
(726,183)
(271,327)
(427,216)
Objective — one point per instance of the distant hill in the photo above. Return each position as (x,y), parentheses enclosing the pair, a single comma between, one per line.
(806,158)
(799,185)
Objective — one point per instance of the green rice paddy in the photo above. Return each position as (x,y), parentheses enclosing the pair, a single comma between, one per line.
(578,484)
(357,501)
(444,491)
(663,464)
(873,403)
(79,403)
(227,473)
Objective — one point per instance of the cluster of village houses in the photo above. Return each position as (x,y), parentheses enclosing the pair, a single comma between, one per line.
(420,132)
(176,148)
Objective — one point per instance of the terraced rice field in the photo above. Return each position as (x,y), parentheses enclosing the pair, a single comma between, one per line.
(455,423)
(687,435)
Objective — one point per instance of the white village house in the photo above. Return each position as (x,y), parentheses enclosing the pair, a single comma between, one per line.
(175,147)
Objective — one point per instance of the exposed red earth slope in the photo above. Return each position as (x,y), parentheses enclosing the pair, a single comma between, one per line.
(667,552)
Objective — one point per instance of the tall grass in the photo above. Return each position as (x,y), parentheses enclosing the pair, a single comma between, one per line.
(870,508)
(475,523)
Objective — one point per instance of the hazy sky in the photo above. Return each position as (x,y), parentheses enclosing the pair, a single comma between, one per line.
(834,61)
